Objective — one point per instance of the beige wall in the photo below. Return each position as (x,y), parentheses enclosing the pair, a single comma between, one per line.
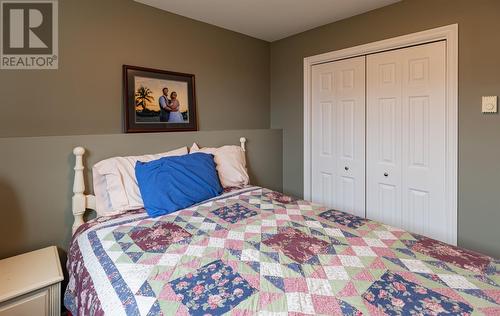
(84,96)
(479,62)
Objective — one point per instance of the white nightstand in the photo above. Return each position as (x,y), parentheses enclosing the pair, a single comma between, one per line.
(30,284)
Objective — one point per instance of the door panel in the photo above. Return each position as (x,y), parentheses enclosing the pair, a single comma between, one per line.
(388,199)
(419,131)
(326,128)
(338,135)
(327,185)
(383,139)
(406,139)
(419,216)
(347,134)
(324,152)
(387,129)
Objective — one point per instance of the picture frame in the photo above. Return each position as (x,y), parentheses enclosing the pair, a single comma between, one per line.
(158,100)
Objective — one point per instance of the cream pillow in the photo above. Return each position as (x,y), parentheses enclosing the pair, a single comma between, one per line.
(231,164)
(115,185)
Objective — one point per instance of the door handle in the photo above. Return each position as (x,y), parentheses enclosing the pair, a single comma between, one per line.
(346,168)
(386,174)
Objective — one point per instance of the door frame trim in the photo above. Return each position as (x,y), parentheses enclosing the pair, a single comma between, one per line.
(447,33)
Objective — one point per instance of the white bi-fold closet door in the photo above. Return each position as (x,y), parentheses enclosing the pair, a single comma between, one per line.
(406,139)
(379,137)
(338,135)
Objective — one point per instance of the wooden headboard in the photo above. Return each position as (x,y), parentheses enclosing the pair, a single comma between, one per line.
(81,201)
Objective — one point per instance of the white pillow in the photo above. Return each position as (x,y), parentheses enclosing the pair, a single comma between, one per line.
(231,164)
(115,185)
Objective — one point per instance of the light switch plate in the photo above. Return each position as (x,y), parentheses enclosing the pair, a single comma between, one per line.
(490,104)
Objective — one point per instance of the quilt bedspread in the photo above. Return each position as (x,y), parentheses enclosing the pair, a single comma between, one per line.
(256,251)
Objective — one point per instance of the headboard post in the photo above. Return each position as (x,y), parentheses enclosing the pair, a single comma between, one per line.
(79,199)
(243,140)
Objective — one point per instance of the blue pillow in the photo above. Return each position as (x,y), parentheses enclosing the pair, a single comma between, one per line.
(173,183)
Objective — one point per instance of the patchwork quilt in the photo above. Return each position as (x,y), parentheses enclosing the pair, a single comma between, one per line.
(255,251)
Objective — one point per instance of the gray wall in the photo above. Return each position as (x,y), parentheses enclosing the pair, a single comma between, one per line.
(239,86)
(36,176)
(479,62)
(84,96)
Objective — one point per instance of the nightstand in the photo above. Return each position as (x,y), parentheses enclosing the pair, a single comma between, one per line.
(30,284)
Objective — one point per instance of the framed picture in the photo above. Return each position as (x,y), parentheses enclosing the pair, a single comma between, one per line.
(158,100)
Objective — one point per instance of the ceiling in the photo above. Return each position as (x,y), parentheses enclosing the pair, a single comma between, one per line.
(269,20)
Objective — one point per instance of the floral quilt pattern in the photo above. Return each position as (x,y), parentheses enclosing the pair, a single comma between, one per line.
(158,237)
(297,245)
(212,290)
(396,296)
(253,251)
(234,213)
(342,218)
(464,258)
(280,197)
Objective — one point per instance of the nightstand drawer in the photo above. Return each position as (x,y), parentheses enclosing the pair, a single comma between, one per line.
(43,302)
(33,304)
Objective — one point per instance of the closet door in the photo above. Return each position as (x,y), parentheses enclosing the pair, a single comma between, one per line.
(338,135)
(406,139)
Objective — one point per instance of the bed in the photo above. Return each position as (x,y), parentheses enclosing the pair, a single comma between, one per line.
(256,251)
